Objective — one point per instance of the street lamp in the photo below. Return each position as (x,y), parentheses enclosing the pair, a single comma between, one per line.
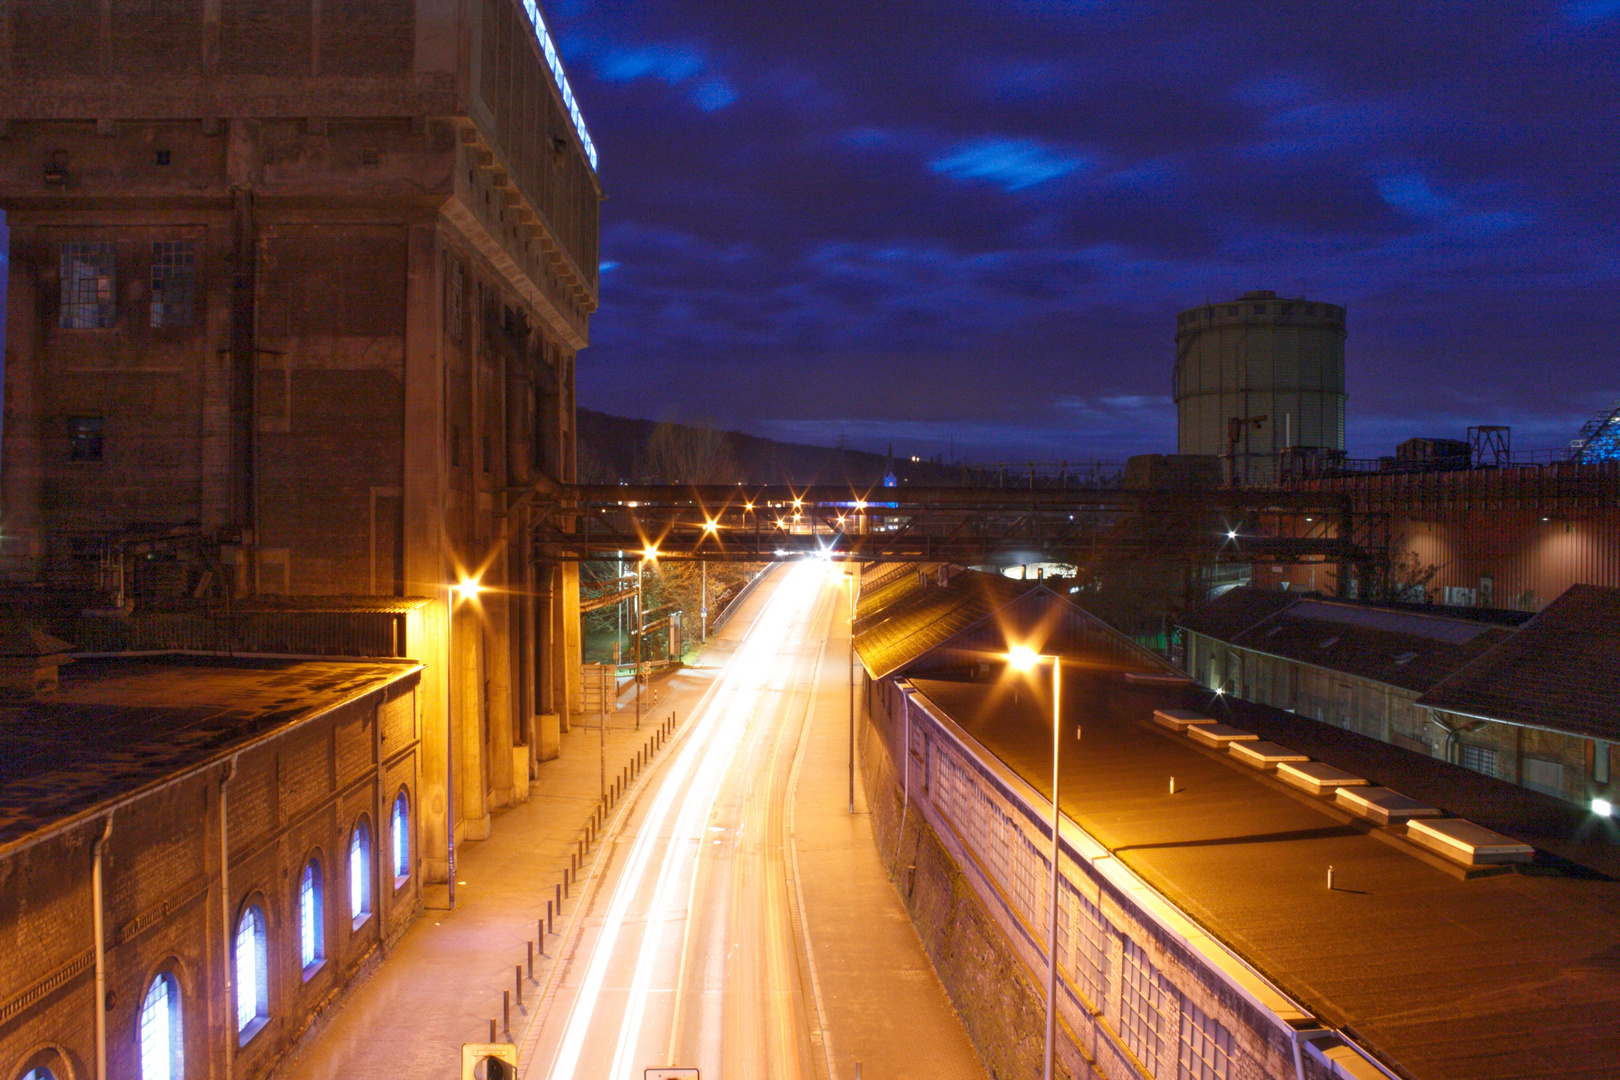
(649,552)
(850,665)
(465,588)
(1023,658)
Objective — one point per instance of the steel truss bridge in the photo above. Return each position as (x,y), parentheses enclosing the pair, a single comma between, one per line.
(966,525)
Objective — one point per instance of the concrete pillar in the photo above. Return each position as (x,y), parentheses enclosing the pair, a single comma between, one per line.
(425,492)
(21,461)
(572,654)
(498,672)
(471,723)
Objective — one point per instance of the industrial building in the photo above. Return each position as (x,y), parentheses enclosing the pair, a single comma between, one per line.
(1529,701)
(296,293)
(1259,382)
(198,856)
(1231,903)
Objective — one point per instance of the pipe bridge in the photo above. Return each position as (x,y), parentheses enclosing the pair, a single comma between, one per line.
(968,525)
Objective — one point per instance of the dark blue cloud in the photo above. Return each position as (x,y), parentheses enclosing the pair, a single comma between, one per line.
(923,218)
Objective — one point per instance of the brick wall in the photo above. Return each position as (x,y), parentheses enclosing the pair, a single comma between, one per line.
(163,910)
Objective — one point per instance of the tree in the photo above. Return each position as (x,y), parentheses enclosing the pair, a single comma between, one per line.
(696,453)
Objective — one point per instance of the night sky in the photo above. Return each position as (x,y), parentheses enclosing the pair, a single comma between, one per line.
(971,225)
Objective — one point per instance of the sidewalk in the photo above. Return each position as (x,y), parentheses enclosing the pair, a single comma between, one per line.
(442,983)
(881,1002)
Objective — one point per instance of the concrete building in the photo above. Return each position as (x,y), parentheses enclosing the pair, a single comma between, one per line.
(296,293)
(197,857)
(1258,379)
(1200,931)
(1529,701)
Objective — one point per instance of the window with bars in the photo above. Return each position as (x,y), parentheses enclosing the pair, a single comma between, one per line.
(88,281)
(158,1030)
(1142,1007)
(1029,869)
(311,919)
(1479,758)
(455,300)
(1206,1046)
(174,282)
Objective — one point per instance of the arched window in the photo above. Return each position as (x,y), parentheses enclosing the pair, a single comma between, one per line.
(401,830)
(252,973)
(311,918)
(162,1049)
(360,872)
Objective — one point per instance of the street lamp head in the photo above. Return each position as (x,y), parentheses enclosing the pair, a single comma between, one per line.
(1022,658)
(467,586)
(711,527)
(649,552)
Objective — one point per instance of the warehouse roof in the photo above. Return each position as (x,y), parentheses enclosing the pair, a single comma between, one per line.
(1489,977)
(909,615)
(1398,646)
(116,726)
(1561,670)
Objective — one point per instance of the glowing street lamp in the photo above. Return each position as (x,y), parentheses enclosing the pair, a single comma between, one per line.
(1023,658)
(465,589)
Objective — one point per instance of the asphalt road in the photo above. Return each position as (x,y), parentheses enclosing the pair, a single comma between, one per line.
(688,950)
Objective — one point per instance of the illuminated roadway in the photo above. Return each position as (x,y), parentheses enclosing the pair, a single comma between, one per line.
(687,949)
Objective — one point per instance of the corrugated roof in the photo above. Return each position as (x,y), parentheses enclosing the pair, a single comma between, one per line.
(908,617)
(1409,649)
(1236,610)
(1561,670)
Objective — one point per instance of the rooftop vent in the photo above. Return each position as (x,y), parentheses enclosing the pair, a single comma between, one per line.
(29,661)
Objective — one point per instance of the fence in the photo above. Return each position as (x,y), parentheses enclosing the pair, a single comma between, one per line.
(1140,987)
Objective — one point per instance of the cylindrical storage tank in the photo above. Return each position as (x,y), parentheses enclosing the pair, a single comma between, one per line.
(1268,371)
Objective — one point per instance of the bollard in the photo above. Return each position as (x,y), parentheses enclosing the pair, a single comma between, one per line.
(549,930)
(517,976)
(506,1010)
(531,951)
(1172,785)
(1330,877)
(492,1029)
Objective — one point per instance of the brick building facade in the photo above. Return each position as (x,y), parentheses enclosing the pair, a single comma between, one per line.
(197,858)
(296,294)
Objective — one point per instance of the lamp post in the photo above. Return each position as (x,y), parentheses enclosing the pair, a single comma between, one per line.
(466,587)
(1023,658)
(849,667)
(649,552)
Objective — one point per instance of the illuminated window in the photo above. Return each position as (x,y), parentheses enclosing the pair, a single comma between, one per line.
(88,279)
(252,973)
(174,282)
(400,837)
(1206,1046)
(360,872)
(311,918)
(162,1053)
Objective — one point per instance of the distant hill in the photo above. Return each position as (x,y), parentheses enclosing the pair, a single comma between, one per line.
(621,448)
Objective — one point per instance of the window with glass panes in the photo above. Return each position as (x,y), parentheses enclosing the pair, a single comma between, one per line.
(158,1030)
(88,281)
(311,920)
(1141,1007)
(1206,1046)
(174,282)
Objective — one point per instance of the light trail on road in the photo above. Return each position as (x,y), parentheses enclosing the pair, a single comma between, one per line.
(694,955)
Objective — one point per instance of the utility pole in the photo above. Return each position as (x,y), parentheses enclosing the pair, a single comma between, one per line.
(703,611)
